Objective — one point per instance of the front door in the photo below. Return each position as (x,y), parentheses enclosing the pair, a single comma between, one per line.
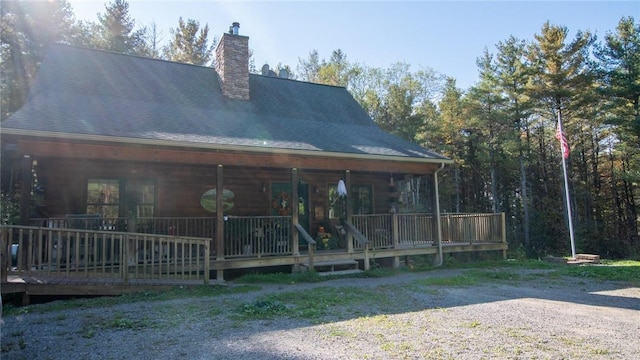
(282,203)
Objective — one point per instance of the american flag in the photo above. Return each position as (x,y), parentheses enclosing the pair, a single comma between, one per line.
(563,141)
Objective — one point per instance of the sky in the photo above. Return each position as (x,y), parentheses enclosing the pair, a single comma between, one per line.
(446,36)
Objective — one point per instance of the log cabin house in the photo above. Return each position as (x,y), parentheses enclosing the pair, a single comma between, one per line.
(136,168)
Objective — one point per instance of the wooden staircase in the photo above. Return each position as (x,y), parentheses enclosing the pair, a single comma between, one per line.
(335,267)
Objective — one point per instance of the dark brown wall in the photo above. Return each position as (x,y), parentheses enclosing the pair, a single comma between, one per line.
(179,187)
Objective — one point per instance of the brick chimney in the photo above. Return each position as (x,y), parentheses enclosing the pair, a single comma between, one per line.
(232,64)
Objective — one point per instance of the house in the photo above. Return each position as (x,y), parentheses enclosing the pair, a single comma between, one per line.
(132,144)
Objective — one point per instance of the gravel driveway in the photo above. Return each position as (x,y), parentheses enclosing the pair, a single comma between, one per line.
(532,316)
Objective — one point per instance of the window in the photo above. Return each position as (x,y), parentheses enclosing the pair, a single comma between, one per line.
(103,197)
(113,198)
(361,201)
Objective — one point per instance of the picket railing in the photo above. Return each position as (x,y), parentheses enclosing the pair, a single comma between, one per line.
(177,226)
(104,254)
(269,235)
(257,236)
(392,230)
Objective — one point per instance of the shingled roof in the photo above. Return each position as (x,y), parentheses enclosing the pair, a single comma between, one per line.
(86,92)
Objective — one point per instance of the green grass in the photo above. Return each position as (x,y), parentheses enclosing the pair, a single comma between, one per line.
(281,278)
(309,277)
(312,304)
(473,277)
(622,270)
(309,304)
(178,292)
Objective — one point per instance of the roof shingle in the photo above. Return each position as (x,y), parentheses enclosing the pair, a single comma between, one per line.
(93,92)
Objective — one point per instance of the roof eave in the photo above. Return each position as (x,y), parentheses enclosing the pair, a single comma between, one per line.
(219,147)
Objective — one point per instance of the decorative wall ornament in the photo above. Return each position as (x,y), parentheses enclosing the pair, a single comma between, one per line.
(208,200)
(342,188)
(281,204)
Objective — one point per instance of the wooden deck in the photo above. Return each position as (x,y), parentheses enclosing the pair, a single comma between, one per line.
(41,284)
(61,261)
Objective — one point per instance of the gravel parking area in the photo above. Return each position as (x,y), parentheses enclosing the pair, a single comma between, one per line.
(406,317)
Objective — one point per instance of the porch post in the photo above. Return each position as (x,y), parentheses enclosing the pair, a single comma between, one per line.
(394,235)
(25,190)
(348,210)
(436,216)
(5,253)
(219,222)
(503,221)
(294,212)
(25,205)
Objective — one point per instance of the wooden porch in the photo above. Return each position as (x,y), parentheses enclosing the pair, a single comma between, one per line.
(93,256)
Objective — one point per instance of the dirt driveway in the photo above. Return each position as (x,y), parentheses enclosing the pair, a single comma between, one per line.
(512,314)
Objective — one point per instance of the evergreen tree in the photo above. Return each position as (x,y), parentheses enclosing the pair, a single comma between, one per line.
(190,44)
(561,74)
(513,73)
(450,131)
(620,85)
(310,67)
(336,70)
(116,30)
(485,103)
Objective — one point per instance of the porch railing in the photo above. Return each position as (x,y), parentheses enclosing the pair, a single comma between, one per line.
(392,230)
(376,228)
(176,226)
(473,228)
(103,254)
(257,236)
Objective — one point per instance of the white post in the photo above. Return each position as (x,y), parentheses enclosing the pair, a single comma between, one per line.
(566,186)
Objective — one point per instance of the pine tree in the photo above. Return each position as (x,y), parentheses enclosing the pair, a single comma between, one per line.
(116,30)
(513,73)
(190,43)
(620,85)
(561,74)
(485,106)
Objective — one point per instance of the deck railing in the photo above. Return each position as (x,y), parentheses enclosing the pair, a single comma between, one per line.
(415,229)
(376,228)
(104,254)
(257,236)
(391,230)
(177,226)
(473,228)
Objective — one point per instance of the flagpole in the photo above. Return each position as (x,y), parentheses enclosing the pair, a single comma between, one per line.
(566,186)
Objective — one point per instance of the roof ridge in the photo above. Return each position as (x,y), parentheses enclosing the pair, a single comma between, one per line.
(298,81)
(86,48)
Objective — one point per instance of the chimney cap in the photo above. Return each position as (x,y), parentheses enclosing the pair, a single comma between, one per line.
(234,28)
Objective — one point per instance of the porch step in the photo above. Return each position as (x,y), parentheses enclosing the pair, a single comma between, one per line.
(335,267)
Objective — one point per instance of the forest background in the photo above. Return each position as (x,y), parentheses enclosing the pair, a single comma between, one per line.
(501,131)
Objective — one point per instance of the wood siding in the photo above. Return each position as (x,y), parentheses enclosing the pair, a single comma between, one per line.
(179,187)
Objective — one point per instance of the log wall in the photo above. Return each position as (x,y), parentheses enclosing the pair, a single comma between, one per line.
(179,186)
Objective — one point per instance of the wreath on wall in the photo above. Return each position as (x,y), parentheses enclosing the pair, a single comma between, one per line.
(281,204)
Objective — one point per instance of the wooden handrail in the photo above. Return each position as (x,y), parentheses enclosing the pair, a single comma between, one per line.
(361,239)
(310,241)
(305,234)
(356,233)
